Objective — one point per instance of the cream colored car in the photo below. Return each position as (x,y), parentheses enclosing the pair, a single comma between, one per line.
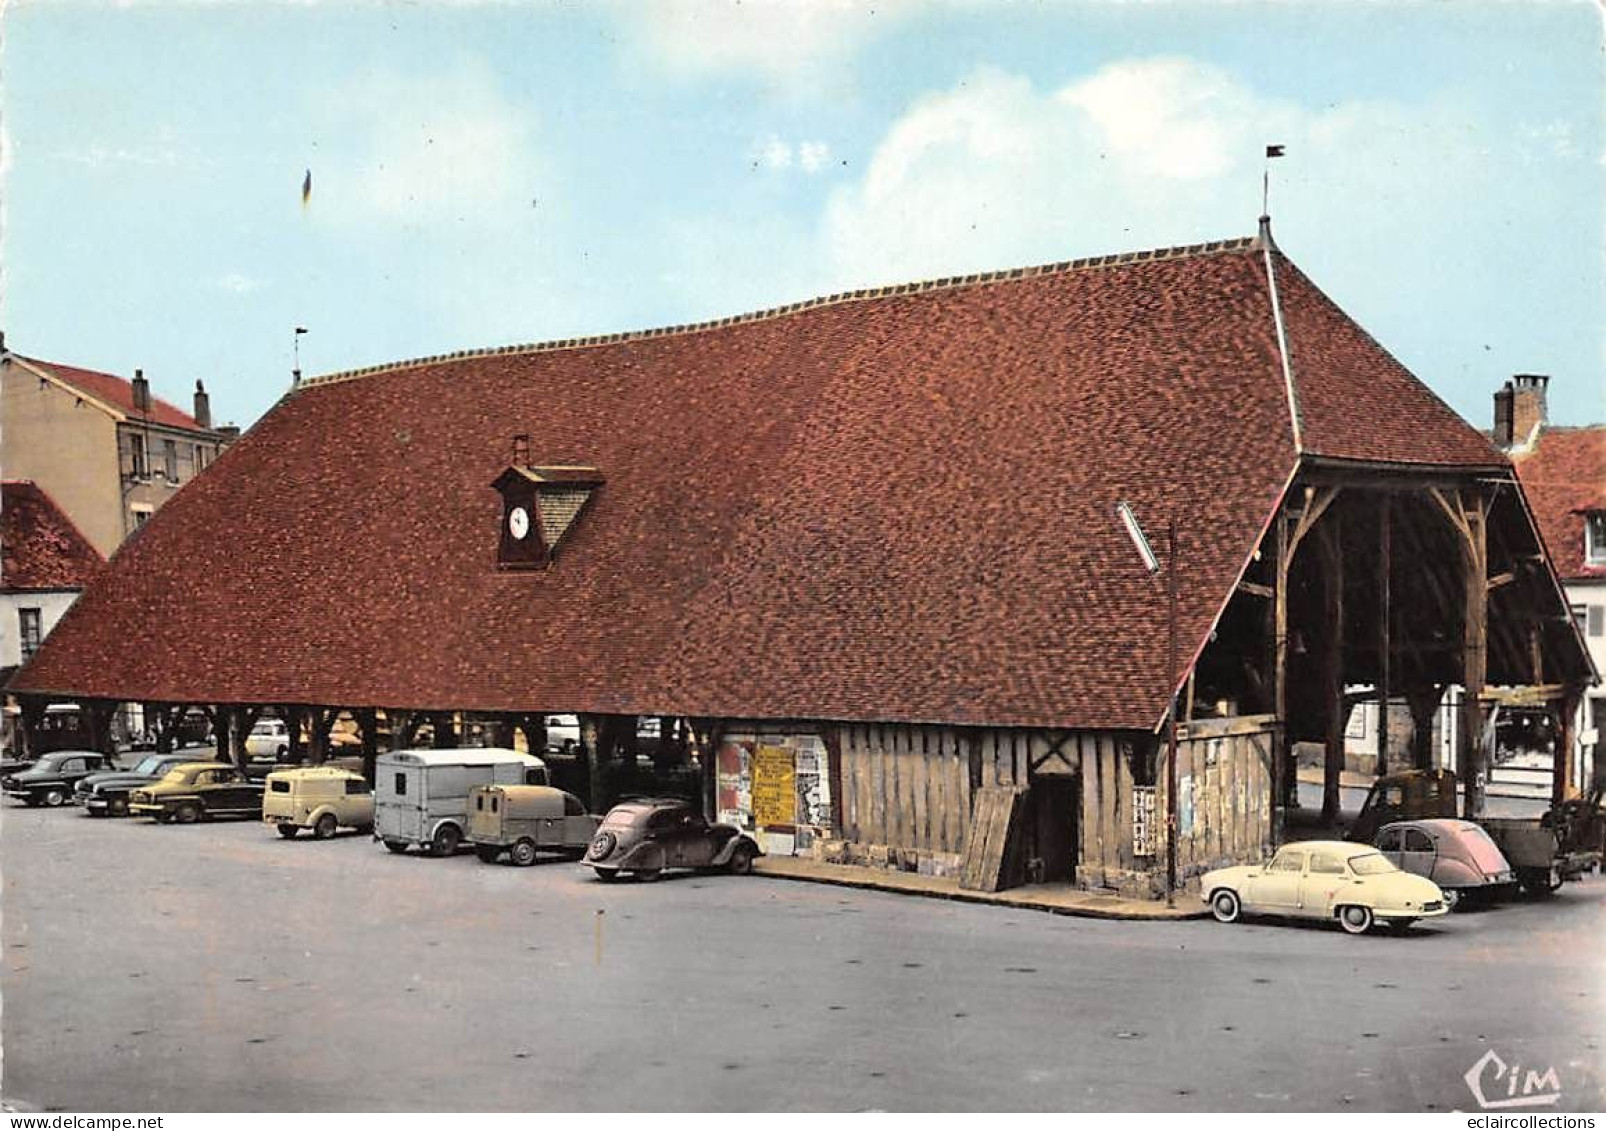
(1324,879)
(320,798)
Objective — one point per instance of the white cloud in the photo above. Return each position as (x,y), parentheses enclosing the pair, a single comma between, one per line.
(777,154)
(783,40)
(1142,153)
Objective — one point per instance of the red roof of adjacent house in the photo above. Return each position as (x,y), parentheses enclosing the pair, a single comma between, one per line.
(1564,476)
(893,505)
(40,548)
(118,392)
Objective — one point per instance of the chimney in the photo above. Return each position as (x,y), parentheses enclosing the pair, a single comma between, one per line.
(1528,409)
(142,392)
(203,406)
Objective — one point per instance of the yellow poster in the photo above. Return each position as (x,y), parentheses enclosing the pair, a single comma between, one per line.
(774,787)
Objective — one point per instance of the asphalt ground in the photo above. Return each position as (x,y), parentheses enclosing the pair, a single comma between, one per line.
(217,967)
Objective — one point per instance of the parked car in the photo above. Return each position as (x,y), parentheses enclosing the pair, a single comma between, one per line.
(52,779)
(1324,879)
(320,798)
(1457,855)
(524,821)
(269,741)
(645,836)
(105,794)
(562,733)
(421,796)
(194,791)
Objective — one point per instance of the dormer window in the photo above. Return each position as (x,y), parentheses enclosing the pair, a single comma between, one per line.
(540,505)
(1595,537)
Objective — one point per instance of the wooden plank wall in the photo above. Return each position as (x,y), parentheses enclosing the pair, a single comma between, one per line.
(1228,764)
(911,787)
(1106,832)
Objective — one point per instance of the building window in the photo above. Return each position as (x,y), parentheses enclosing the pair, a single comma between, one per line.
(31,631)
(170,460)
(1595,537)
(1581,618)
(141,515)
(1597,620)
(200,458)
(136,455)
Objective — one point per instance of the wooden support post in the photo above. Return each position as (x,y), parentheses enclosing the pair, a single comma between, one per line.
(1333,666)
(1474,652)
(442,732)
(223,730)
(97,715)
(323,720)
(31,736)
(590,744)
(1279,755)
(368,721)
(1561,778)
(1385,627)
(1423,700)
(293,718)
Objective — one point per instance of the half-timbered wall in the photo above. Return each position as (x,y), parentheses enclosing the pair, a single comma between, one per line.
(1223,794)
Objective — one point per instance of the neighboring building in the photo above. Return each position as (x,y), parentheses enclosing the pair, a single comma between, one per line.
(45,562)
(108,451)
(1563,473)
(871,548)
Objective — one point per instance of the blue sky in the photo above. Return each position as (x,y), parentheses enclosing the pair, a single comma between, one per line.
(487,173)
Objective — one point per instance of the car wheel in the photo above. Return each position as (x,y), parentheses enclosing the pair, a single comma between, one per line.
(487,853)
(187,813)
(1401,926)
(447,838)
(649,875)
(741,861)
(1452,898)
(117,807)
(165,817)
(325,826)
(396,846)
(1355,919)
(54,797)
(523,852)
(288,831)
(281,752)
(1224,905)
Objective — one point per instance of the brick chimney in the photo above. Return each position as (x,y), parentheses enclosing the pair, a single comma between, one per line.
(1519,408)
(203,406)
(142,392)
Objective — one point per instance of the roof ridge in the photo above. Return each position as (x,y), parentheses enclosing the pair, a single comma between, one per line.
(951,282)
(56,367)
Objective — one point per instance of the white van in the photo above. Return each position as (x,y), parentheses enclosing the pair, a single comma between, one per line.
(421,796)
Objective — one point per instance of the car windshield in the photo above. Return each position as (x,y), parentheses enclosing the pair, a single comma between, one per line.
(262,728)
(1370,864)
(151,765)
(50,762)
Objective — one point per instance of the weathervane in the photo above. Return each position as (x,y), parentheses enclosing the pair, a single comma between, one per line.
(1265,179)
(295,374)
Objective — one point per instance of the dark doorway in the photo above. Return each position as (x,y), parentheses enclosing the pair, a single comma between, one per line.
(1055,804)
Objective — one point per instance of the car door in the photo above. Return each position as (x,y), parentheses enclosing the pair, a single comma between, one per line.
(1325,878)
(696,846)
(1277,888)
(227,791)
(578,825)
(1391,843)
(1418,855)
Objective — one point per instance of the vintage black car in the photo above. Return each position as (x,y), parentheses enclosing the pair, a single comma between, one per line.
(195,791)
(51,780)
(106,794)
(644,836)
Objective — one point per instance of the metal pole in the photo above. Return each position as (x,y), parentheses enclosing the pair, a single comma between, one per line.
(1171,717)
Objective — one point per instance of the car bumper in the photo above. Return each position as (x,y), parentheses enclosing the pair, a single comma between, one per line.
(146,808)
(1430,910)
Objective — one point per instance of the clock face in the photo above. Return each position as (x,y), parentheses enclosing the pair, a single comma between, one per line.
(518,523)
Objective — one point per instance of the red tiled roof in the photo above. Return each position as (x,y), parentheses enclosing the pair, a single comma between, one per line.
(40,548)
(118,392)
(1564,475)
(895,506)
(1356,401)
